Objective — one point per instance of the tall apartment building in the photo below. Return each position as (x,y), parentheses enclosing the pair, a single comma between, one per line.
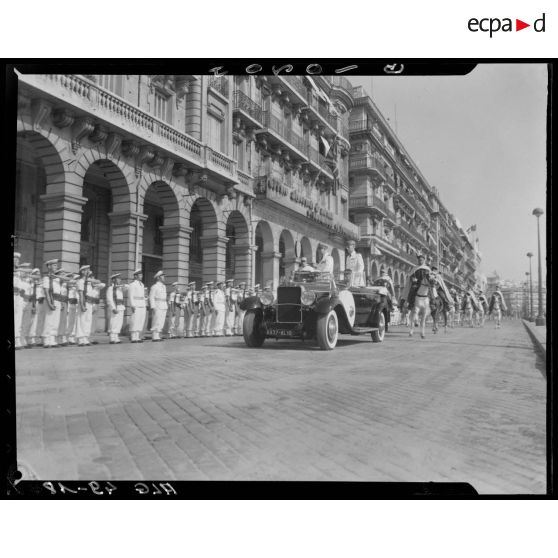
(398,213)
(211,177)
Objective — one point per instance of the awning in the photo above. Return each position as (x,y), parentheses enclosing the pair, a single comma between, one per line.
(326,145)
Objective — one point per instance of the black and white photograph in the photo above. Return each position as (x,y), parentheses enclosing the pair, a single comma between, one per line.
(278,273)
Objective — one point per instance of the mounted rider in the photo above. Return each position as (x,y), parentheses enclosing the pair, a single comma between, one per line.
(439,288)
(420,274)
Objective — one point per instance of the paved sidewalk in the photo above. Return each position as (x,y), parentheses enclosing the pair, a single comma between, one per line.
(538,334)
(466,405)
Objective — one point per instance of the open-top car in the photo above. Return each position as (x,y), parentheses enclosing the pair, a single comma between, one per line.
(312,305)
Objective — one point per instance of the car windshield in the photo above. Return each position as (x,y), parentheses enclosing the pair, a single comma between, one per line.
(312,277)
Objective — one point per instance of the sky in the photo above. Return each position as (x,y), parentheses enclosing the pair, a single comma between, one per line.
(480,139)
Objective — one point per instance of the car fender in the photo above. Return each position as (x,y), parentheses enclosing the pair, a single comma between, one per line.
(251,303)
(347,300)
(326,304)
(379,307)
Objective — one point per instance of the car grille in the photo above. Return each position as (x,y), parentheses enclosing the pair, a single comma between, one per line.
(288,304)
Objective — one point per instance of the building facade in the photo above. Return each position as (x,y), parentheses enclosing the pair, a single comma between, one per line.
(398,213)
(212,177)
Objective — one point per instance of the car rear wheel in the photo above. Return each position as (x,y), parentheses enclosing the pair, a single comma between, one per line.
(378,336)
(327,331)
(254,334)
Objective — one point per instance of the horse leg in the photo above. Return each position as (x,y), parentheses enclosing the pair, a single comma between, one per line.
(411,321)
(423,324)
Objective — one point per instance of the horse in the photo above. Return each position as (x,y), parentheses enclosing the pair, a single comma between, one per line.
(438,307)
(421,306)
(496,307)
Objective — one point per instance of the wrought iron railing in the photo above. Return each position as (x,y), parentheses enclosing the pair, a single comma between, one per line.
(243,102)
(220,84)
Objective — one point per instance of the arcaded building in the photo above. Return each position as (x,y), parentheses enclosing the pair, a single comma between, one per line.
(205,177)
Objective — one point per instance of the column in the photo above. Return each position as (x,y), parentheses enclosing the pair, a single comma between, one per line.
(214,257)
(62,233)
(243,262)
(176,252)
(271,268)
(126,242)
(194,109)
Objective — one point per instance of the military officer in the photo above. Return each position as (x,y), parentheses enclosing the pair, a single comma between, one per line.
(85,306)
(219,309)
(136,299)
(63,323)
(325,264)
(189,311)
(230,306)
(116,307)
(30,316)
(18,306)
(73,301)
(240,297)
(51,286)
(96,297)
(175,310)
(355,264)
(159,305)
(22,321)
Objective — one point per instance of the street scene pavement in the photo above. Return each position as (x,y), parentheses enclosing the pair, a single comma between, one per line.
(468,405)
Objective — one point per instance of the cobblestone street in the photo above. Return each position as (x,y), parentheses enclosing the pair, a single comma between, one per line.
(468,405)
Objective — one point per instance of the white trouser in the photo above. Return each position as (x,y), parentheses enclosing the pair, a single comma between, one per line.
(239,320)
(158,321)
(52,321)
(26,321)
(230,316)
(218,321)
(71,323)
(63,323)
(83,327)
(174,323)
(18,318)
(37,323)
(116,321)
(137,322)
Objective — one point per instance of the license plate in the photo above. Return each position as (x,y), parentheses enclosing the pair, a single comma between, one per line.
(277,332)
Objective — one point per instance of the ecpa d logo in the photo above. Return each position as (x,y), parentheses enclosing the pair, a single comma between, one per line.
(492,25)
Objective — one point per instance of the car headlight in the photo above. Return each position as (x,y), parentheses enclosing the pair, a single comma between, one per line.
(307,297)
(266,298)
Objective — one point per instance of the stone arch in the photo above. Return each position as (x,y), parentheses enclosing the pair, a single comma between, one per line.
(390,272)
(164,235)
(238,259)
(286,250)
(206,254)
(48,208)
(306,249)
(266,257)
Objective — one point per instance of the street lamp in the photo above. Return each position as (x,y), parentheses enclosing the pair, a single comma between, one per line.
(540,321)
(531,317)
(527,298)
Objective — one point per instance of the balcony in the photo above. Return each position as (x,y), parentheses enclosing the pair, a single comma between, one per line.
(320,113)
(370,202)
(85,98)
(220,84)
(286,137)
(368,163)
(243,103)
(412,232)
(319,161)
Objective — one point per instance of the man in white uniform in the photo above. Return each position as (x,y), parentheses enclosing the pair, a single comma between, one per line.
(159,306)
(18,306)
(219,307)
(63,323)
(190,310)
(71,321)
(136,299)
(326,261)
(175,311)
(30,321)
(230,306)
(116,308)
(240,297)
(85,306)
(25,287)
(355,264)
(51,286)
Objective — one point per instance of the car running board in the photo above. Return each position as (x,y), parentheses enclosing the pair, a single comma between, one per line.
(360,330)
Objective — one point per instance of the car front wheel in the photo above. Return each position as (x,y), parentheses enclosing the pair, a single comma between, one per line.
(252,329)
(378,336)
(327,331)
